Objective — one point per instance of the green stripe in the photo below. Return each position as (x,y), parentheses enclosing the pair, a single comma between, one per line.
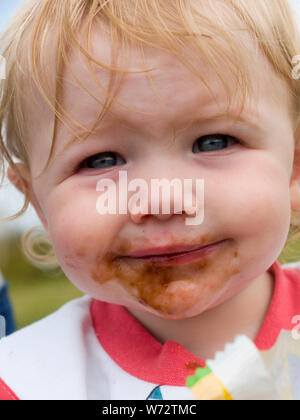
(200,373)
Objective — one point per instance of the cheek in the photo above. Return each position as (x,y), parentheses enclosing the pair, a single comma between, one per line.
(256,203)
(77,231)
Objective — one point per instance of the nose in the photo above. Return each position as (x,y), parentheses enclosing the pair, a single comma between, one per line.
(139,217)
(162,207)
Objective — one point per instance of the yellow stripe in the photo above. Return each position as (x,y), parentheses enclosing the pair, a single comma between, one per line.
(227,395)
(210,388)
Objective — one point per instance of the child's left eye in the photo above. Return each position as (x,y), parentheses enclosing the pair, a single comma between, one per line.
(213,142)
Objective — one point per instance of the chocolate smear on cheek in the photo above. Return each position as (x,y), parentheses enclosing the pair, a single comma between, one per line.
(169,289)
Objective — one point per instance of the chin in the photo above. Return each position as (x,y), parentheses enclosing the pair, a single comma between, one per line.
(173,314)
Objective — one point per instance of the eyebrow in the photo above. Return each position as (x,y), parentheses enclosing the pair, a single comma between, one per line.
(76,138)
(251,119)
(248,121)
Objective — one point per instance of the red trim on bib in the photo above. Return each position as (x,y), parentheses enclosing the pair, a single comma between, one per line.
(6,394)
(284,306)
(136,351)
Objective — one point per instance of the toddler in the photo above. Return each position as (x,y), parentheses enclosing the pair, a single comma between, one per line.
(159,89)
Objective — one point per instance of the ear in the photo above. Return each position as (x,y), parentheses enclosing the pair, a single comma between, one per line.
(15,180)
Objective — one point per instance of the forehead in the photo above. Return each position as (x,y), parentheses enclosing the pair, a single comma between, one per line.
(158,95)
(143,97)
(167,97)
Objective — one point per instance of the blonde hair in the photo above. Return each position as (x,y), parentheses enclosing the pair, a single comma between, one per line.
(166,24)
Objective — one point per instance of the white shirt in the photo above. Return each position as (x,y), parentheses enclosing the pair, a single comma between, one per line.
(61,357)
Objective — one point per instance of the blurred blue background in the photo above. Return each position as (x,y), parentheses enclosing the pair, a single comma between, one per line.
(6,9)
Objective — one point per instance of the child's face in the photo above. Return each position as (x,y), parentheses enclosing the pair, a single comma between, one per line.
(247,196)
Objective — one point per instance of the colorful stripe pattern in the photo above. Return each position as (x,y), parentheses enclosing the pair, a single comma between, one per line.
(205,385)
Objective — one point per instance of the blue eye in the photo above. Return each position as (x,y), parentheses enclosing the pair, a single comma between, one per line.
(102,160)
(213,142)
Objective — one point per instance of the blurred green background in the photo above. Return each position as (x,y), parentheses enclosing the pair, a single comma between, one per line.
(35,294)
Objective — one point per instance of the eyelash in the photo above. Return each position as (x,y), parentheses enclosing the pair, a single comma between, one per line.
(109,154)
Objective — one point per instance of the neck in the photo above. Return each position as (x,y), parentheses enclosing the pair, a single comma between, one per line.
(218,325)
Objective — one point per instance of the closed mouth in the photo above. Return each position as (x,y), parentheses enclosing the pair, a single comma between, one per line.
(149,255)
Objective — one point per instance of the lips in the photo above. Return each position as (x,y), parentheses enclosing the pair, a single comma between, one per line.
(180,253)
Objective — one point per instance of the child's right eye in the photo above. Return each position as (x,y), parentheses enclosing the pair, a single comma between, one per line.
(101,161)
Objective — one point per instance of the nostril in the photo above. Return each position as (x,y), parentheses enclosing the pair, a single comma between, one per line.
(163,216)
